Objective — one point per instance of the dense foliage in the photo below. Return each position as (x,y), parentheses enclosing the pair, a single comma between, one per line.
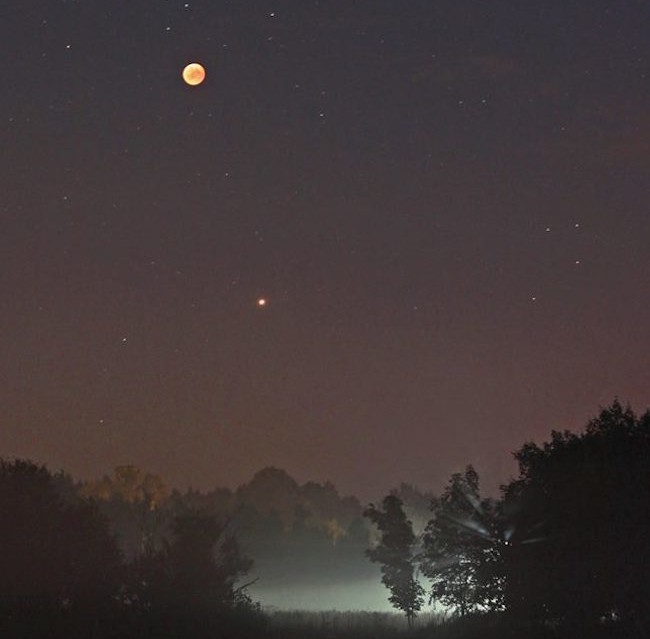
(463,548)
(580,549)
(395,552)
(57,557)
(62,573)
(564,552)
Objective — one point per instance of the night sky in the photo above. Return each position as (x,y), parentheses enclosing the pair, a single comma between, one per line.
(444,204)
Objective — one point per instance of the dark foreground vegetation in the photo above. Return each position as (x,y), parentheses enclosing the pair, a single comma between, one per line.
(563,553)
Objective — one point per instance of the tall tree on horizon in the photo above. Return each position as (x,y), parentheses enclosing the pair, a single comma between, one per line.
(396,552)
(463,547)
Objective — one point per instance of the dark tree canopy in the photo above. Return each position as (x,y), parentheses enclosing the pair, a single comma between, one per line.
(204,559)
(199,566)
(581,523)
(52,552)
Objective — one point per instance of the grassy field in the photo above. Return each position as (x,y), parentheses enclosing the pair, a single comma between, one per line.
(335,623)
(380,625)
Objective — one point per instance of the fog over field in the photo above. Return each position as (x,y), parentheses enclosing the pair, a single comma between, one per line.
(365,594)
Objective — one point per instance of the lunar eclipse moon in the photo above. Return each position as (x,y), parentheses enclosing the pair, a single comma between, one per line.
(193,74)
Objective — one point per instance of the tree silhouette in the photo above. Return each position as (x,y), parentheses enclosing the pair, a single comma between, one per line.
(395,553)
(54,555)
(189,587)
(462,547)
(200,565)
(581,524)
(416,504)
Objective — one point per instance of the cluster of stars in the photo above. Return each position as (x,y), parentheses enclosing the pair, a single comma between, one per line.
(576,262)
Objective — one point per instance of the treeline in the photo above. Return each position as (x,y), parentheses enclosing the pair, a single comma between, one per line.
(298,535)
(140,505)
(63,572)
(126,556)
(565,551)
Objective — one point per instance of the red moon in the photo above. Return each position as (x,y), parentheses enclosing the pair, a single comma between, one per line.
(193,74)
